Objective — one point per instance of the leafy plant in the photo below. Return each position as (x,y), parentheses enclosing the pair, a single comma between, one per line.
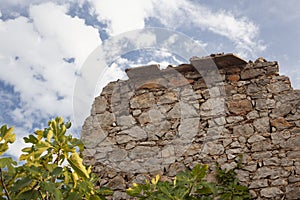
(52,167)
(229,186)
(191,184)
(186,185)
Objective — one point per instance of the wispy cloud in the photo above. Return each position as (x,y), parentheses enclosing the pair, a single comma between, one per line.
(179,14)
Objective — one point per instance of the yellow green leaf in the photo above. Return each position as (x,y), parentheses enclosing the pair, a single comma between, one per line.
(76,163)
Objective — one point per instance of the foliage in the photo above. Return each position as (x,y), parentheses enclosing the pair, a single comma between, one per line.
(191,184)
(52,167)
(229,185)
(186,185)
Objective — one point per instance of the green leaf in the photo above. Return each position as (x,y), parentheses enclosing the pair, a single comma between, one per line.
(57,171)
(49,135)
(52,189)
(31,139)
(76,163)
(27,149)
(68,125)
(21,183)
(73,196)
(29,194)
(3,148)
(8,163)
(9,136)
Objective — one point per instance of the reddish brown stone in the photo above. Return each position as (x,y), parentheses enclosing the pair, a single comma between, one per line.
(239,106)
(233,78)
(151,86)
(179,81)
(280,123)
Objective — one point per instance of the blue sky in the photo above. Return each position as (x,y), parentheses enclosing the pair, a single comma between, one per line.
(44,44)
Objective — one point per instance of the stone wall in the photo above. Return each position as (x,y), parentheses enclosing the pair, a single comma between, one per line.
(217,108)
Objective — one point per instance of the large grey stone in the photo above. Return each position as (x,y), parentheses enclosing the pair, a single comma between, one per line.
(262,125)
(271,192)
(256,138)
(104,120)
(144,152)
(293,192)
(126,121)
(245,129)
(251,73)
(278,87)
(265,104)
(213,107)
(258,184)
(212,148)
(133,134)
(117,155)
(99,106)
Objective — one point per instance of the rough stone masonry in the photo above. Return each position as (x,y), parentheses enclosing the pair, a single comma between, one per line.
(217,108)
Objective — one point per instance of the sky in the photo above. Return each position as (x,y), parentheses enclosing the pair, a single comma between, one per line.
(45,47)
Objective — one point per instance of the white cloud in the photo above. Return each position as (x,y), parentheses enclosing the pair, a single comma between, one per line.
(181,13)
(31,59)
(122,16)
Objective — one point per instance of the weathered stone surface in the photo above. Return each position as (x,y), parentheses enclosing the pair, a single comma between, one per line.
(293,192)
(251,73)
(246,129)
(280,137)
(213,149)
(117,183)
(104,120)
(213,107)
(239,106)
(281,110)
(234,119)
(261,146)
(272,161)
(262,125)
(99,106)
(293,143)
(280,123)
(270,192)
(144,152)
(134,133)
(259,184)
(145,100)
(127,121)
(167,98)
(278,87)
(279,182)
(265,104)
(265,172)
(152,116)
(256,138)
(117,155)
(293,154)
(233,78)
(261,155)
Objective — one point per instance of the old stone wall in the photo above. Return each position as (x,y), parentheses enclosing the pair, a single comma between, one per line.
(216,108)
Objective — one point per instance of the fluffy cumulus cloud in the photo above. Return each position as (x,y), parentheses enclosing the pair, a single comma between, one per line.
(122,16)
(40,56)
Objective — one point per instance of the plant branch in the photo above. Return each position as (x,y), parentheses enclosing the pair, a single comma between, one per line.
(3,184)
